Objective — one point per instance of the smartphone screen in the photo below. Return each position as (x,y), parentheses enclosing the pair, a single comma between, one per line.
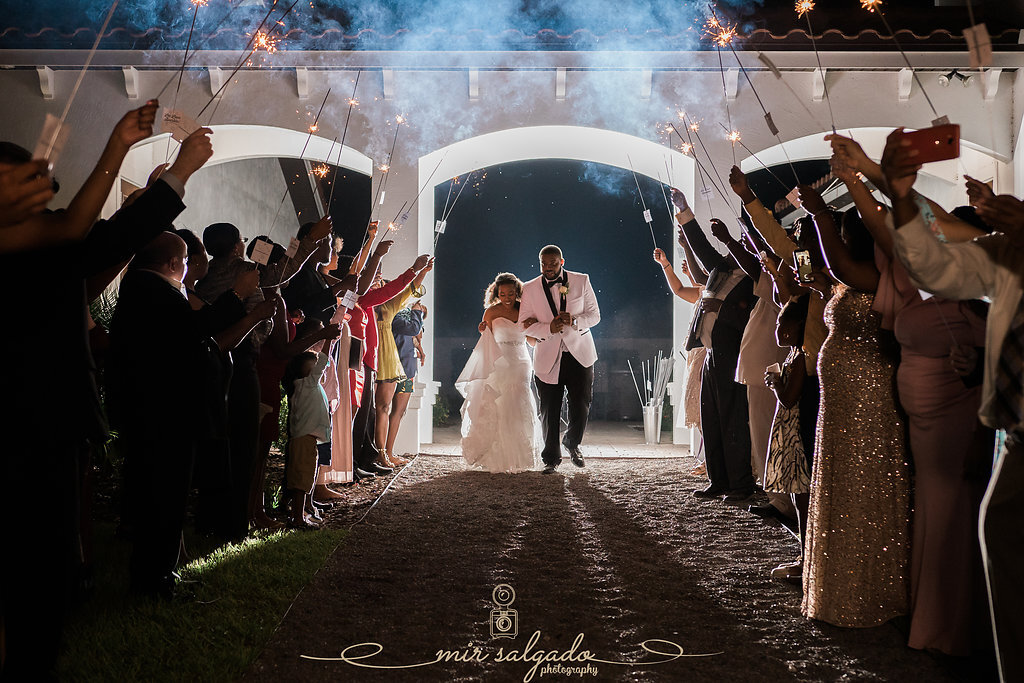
(802,260)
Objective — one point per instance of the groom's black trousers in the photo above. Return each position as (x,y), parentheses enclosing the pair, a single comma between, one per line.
(578,381)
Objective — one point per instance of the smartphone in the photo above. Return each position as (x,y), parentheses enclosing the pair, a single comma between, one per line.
(802,260)
(935,144)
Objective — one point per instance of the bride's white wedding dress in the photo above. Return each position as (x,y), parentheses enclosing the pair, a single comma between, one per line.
(500,428)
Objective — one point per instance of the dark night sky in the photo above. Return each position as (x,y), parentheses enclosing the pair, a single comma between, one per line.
(593,212)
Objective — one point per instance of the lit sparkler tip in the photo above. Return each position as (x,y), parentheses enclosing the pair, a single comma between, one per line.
(399,119)
(199,3)
(320,170)
(352,101)
(733,136)
(695,126)
(384,168)
(681,114)
(313,128)
(870,5)
(686,148)
(265,41)
(719,33)
(803,7)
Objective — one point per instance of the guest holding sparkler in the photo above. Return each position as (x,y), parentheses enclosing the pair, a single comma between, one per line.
(858,531)
(721,317)
(407,328)
(989,266)
(47,258)
(758,351)
(951,450)
(390,371)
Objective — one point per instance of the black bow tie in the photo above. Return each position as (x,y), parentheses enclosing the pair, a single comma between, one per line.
(557,281)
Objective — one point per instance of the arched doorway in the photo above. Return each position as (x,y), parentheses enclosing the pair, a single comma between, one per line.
(236,143)
(533,143)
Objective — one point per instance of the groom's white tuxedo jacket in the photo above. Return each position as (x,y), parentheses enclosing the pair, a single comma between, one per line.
(581,303)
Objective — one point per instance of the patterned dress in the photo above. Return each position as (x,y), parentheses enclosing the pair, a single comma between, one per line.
(858,535)
(786,470)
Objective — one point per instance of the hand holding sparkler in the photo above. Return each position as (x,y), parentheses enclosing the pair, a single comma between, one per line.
(136,125)
(843,171)
(720,231)
(25,190)
(195,151)
(811,200)
(738,183)
(421,262)
(383,248)
(661,258)
(321,229)
(850,151)
(1005,213)
(977,191)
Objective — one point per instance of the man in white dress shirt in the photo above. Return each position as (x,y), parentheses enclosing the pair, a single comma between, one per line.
(564,305)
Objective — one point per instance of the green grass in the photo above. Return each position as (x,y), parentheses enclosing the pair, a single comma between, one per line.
(244,591)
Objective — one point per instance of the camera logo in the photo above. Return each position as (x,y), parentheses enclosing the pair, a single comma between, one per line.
(504,621)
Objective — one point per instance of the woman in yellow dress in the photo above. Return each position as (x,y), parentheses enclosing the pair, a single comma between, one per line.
(389,365)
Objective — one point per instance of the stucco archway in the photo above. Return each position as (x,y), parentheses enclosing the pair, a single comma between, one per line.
(530,143)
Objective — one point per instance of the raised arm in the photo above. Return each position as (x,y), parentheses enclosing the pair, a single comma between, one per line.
(954,271)
(690,294)
(761,218)
(871,212)
(747,262)
(861,275)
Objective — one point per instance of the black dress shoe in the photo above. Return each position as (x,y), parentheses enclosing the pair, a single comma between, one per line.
(548,469)
(359,473)
(379,469)
(576,455)
(774,516)
(709,492)
(738,496)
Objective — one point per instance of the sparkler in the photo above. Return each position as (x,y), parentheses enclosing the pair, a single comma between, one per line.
(309,136)
(188,57)
(321,170)
(875,6)
(252,47)
(763,165)
(647,213)
(803,9)
(772,128)
(733,136)
(352,102)
(78,83)
(384,168)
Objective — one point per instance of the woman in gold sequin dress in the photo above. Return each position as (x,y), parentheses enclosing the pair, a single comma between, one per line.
(858,537)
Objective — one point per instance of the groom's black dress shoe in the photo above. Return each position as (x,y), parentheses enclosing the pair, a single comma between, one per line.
(709,492)
(576,455)
(548,469)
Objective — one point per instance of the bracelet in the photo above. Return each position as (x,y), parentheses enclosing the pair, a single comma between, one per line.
(668,267)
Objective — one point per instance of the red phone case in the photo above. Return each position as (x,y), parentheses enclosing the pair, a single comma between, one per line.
(935,144)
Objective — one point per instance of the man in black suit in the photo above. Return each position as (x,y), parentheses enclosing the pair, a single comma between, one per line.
(159,393)
(718,325)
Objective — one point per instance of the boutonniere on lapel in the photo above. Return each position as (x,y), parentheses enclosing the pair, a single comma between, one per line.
(563,290)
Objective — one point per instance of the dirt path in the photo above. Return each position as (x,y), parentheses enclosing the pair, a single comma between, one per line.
(618,551)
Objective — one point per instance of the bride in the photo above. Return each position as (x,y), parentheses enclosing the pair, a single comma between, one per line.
(500,428)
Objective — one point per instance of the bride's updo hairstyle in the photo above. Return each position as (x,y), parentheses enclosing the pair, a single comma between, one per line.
(491,295)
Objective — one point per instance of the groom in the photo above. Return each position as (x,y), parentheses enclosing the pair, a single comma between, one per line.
(565,307)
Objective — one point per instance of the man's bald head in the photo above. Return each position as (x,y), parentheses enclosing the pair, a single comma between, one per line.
(166,253)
